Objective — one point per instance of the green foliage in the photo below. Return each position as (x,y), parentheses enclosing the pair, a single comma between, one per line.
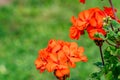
(113,32)
(96,75)
(111,69)
(99,64)
(109,76)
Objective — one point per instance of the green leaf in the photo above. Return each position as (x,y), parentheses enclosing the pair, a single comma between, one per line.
(109,76)
(117,53)
(107,53)
(118,33)
(115,23)
(112,50)
(99,64)
(111,36)
(96,75)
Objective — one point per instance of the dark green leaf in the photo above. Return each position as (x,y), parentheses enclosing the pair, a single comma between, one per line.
(99,64)
(109,76)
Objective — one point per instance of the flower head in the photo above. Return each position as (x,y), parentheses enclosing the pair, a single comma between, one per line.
(97,18)
(90,20)
(92,31)
(109,12)
(82,1)
(59,56)
(75,33)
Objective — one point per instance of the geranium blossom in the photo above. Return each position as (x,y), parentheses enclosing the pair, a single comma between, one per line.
(90,20)
(75,33)
(93,31)
(109,12)
(59,56)
(82,1)
(97,17)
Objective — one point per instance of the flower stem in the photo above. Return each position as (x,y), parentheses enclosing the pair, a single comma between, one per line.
(99,43)
(111,26)
(64,77)
(100,48)
(110,1)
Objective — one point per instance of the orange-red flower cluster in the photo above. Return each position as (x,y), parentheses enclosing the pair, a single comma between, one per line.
(109,12)
(90,20)
(59,56)
(82,1)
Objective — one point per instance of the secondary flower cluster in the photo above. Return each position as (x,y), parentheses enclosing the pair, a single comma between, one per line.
(90,20)
(59,56)
(82,1)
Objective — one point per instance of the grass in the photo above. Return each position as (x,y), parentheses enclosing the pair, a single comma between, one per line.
(26,26)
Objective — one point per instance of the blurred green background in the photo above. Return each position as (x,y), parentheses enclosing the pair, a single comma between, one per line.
(26,26)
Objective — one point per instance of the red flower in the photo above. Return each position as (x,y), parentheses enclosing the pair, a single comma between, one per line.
(53,46)
(83,19)
(92,31)
(109,12)
(61,72)
(91,17)
(41,60)
(58,56)
(82,1)
(74,54)
(97,18)
(75,33)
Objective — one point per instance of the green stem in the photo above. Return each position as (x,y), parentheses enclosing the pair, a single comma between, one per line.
(99,43)
(110,1)
(111,26)
(115,45)
(100,48)
(110,43)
